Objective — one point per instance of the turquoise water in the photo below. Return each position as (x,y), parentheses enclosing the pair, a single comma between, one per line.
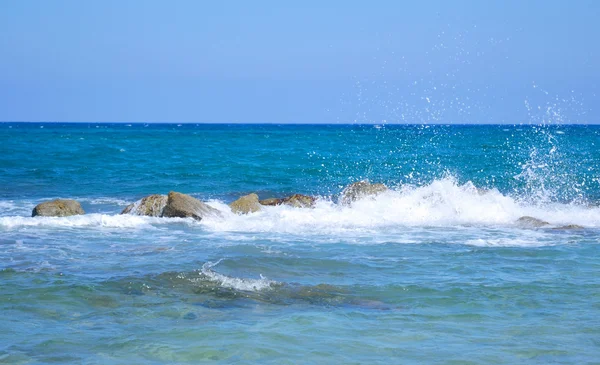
(436,270)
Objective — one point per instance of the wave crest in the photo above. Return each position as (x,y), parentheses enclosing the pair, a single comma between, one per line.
(242,284)
(444,202)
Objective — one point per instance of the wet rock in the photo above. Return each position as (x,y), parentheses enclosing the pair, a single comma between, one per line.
(184,206)
(531,222)
(271,201)
(151,206)
(246,204)
(300,201)
(569,226)
(296,201)
(58,208)
(360,190)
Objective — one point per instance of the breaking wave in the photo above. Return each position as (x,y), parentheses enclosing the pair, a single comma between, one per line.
(243,284)
(86,221)
(444,202)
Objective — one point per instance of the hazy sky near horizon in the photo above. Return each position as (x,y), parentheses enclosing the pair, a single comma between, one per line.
(300,62)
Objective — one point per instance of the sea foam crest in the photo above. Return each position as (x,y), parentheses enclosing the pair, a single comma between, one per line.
(87,220)
(243,284)
(11,207)
(444,202)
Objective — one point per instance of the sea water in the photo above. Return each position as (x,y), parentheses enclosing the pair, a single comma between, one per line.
(435,270)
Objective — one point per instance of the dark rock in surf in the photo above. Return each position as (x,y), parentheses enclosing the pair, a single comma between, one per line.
(184,206)
(58,208)
(569,227)
(151,206)
(246,204)
(531,222)
(271,201)
(300,201)
(296,201)
(360,190)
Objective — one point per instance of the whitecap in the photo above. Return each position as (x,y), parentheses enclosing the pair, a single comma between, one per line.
(87,220)
(243,284)
(442,203)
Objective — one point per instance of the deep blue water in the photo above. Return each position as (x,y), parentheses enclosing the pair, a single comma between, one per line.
(436,270)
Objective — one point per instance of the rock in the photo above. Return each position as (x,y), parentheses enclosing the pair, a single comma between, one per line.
(151,205)
(296,201)
(300,201)
(569,226)
(359,190)
(531,222)
(184,206)
(246,204)
(271,201)
(58,208)
(129,208)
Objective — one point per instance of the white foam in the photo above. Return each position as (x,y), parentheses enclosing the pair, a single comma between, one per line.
(508,242)
(442,203)
(87,220)
(24,207)
(105,200)
(11,207)
(243,284)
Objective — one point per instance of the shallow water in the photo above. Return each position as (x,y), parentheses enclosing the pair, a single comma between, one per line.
(436,270)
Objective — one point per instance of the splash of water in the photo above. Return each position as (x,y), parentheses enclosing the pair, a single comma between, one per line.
(243,284)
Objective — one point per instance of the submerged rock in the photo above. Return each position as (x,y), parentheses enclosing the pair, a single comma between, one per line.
(531,222)
(246,204)
(151,206)
(184,206)
(271,201)
(300,201)
(58,208)
(359,190)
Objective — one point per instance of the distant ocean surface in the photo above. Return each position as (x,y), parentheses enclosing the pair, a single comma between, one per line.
(435,270)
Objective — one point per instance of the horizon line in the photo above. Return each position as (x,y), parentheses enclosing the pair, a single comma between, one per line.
(307,124)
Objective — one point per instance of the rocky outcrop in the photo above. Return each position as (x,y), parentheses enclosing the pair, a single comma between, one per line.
(531,222)
(58,208)
(151,206)
(360,190)
(569,227)
(271,201)
(296,201)
(246,204)
(300,201)
(184,206)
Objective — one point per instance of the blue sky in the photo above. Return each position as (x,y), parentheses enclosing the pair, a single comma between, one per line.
(301,62)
